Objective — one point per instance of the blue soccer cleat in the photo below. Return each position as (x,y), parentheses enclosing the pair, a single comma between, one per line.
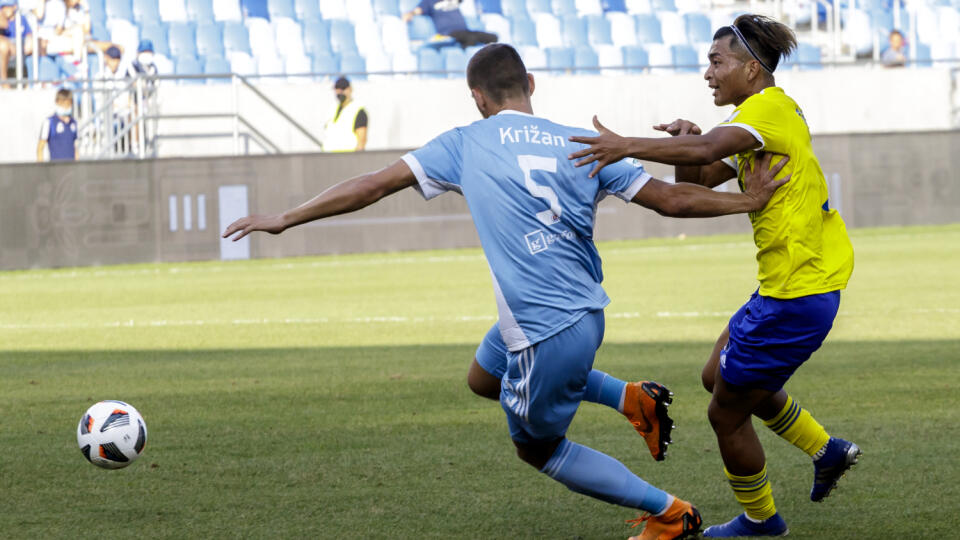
(741,526)
(839,456)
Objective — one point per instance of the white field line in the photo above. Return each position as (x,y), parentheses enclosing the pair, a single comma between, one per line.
(131,323)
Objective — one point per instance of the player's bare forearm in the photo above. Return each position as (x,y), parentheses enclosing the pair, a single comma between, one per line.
(709,176)
(345,197)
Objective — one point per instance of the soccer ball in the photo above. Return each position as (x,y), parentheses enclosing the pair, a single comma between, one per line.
(111,434)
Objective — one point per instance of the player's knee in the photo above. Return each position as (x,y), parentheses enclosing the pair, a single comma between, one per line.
(537,454)
(482,383)
(707,377)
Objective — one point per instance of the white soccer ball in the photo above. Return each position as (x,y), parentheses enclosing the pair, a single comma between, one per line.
(112,434)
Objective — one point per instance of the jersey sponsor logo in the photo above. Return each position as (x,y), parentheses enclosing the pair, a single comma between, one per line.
(538,241)
(530,134)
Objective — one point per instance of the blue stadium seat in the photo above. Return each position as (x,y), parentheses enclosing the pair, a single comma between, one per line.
(200,11)
(342,38)
(188,65)
(98,30)
(586,61)
(421,28)
(524,33)
(574,31)
(562,8)
(157,33)
(455,62)
(470,51)
(614,5)
(648,29)
(146,11)
(316,38)
(326,64)
(598,30)
(235,37)
(514,8)
(216,65)
(98,10)
(809,56)
(119,9)
(560,58)
(685,58)
(635,58)
(255,9)
(539,6)
(386,7)
(354,65)
(663,5)
(306,10)
(698,28)
(284,8)
(210,40)
(489,6)
(429,63)
(183,39)
(408,5)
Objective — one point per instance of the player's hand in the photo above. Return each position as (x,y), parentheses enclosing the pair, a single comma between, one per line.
(758,181)
(244,226)
(606,148)
(679,127)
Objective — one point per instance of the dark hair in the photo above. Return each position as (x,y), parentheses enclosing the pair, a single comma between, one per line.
(769,39)
(498,71)
(896,32)
(64,93)
(342,83)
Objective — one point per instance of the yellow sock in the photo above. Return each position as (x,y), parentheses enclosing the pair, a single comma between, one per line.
(799,428)
(754,494)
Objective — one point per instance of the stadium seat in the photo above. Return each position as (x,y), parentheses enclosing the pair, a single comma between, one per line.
(698,28)
(575,31)
(623,29)
(610,59)
(124,33)
(598,30)
(407,5)
(368,37)
(455,62)
(283,8)
(469,8)
(236,37)
(489,6)
(173,11)
(548,30)
(563,8)
(342,37)
(98,10)
(256,9)
(316,38)
(158,35)
(648,30)
(306,10)
(474,23)
(589,7)
(145,11)
(216,65)
(242,63)
(297,64)
(393,35)
(360,10)
(354,65)
(470,51)
(685,58)
(524,33)
(661,6)
(210,40)
(333,9)
(539,6)
(386,7)
(614,5)
(560,59)
(660,57)
(98,31)
(226,10)
(637,7)
(586,60)
(514,8)
(404,62)
(288,37)
(533,57)
(326,64)
(421,28)
(430,63)
(188,65)
(269,65)
(635,58)
(379,62)
(498,24)
(809,56)
(118,9)
(183,39)
(261,37)
(672,28)
(200,11)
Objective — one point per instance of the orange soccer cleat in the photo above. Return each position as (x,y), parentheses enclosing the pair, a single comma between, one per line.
(681,520)
(645,405)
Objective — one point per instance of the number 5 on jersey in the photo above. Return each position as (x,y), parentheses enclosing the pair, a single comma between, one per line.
(539,163)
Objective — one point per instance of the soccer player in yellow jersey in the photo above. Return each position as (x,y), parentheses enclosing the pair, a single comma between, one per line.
(804,254)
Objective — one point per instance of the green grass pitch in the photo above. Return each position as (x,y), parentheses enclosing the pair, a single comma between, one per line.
(326,397)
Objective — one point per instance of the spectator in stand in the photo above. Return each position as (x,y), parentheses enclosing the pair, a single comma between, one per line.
(346,131)
(10,20)
(450,22)
(143,65)
(896,53)
(59,131)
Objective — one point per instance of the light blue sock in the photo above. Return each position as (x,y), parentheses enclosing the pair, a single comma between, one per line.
(584,470)
(604,389)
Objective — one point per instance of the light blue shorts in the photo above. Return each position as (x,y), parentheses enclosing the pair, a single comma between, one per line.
(544,384)
(492,352)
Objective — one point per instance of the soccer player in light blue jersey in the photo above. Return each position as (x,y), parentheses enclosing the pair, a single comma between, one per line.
(534,212)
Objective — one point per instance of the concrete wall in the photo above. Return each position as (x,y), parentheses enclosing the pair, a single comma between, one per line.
(95,213)
(406,113)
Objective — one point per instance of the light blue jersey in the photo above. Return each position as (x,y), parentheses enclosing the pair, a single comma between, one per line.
(534,212)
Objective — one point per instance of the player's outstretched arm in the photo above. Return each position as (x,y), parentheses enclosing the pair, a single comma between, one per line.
(711,175)
(345,197)
(691,200)
(716,144)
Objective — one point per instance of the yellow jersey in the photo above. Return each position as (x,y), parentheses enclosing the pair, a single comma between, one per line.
(803,246)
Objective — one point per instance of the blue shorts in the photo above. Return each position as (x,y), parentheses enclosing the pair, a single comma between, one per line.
(544,383)
(770,338)
(492,352)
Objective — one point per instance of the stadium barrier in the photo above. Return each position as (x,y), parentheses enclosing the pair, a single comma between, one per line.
(169,210)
